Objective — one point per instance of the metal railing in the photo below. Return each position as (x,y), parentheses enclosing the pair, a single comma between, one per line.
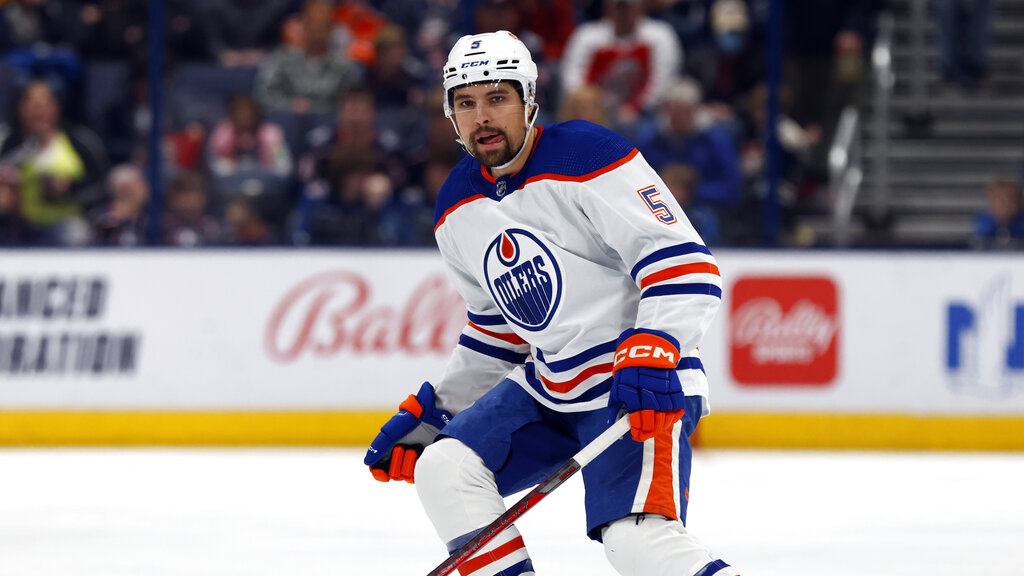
(884,80)
(845,173)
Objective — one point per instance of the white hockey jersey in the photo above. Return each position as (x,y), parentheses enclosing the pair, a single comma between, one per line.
(555,261)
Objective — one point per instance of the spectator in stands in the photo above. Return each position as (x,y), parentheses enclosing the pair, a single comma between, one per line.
(116,30)
(242,32)
(631,57)
(14,230)
(28,23)
(112,30)
(123,221)
(682,183)
(825,45)
(383,218)
(800,180)
(183,148)
(35,42)
(682,132)
(688,18)
(61,167)
(244,141)
(731,65)
(551,20)
(587,103)
(396,78)
(341,217)
(415,205)
(244,225)
(186,221)
(964,30)
(310,79)
(1001,226)
(355,133)
(357,27)
(796,141)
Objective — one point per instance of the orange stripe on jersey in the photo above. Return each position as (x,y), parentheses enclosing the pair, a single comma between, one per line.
(470,566)
(661,495)
(510,338)
(677,271)
(563,387)
(454,208)
(584,177)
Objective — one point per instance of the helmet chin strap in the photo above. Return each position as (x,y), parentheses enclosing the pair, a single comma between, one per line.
(529,128)
(530,119)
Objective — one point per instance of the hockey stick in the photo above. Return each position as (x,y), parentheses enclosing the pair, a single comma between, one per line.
(556,479)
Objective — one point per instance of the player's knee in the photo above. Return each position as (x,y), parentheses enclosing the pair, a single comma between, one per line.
(448,462)
(624,545)
(652,545)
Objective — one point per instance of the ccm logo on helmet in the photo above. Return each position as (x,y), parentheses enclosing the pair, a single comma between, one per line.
(645,351)
(474,64)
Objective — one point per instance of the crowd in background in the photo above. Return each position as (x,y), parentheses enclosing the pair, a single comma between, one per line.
(290,122)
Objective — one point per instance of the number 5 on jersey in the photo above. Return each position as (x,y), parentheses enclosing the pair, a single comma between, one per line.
(656,206)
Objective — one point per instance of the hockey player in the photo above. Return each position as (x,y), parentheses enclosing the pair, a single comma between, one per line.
(587,293)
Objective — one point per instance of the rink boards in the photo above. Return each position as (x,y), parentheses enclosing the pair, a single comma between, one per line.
(810,349)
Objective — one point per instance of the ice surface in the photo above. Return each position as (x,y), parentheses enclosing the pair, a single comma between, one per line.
(146,512)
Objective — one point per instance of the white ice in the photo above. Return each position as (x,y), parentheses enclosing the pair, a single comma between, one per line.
(146,512)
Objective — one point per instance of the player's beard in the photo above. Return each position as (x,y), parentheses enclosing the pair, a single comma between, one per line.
(497,156)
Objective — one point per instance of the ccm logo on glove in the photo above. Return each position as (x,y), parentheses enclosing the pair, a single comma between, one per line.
(646,350)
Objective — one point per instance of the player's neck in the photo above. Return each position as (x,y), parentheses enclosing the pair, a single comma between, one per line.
(521,161)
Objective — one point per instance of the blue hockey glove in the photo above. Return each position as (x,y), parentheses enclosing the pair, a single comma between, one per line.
(645,382)
(392,454)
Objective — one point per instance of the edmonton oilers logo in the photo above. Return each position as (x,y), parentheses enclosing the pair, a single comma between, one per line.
(524,279)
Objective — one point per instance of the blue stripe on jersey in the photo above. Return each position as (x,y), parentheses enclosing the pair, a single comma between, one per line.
(492,351)
(571,362)
(601,388)
(670,252)
(711,568)
(486,320)
(690,363)
(672,289)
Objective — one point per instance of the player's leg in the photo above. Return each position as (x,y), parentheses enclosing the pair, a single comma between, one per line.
(636,495)
(460,496)
(502,444)
(653,545)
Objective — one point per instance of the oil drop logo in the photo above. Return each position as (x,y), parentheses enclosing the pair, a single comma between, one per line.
(524,278)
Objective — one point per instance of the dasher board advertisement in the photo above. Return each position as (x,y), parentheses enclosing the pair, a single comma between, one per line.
(798,332)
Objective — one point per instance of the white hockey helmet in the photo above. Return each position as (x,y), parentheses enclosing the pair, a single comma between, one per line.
(491,57)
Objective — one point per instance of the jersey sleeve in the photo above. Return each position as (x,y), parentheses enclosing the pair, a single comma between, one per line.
(488,349)
(635,215)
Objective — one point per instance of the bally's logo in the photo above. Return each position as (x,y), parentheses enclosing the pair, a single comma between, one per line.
(524,279)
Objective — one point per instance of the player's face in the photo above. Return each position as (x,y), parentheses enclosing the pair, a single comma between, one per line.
(490,120)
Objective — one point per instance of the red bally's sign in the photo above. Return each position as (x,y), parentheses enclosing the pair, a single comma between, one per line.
(334,312)
(784,330)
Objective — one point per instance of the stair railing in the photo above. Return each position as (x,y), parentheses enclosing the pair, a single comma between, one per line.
(845,173)
(884,79)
